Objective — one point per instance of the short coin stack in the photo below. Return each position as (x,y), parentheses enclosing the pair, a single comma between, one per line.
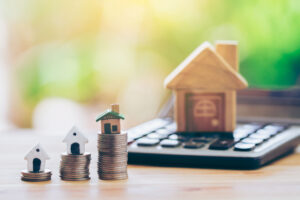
(36,177)
(75,167)
(112,159)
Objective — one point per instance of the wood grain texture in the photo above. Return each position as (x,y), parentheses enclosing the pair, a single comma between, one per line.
(230,111)
(228,50)
(205,112)
(281,180)
(181,117)
(179,110)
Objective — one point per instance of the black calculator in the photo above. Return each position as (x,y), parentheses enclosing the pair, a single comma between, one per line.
(256,141)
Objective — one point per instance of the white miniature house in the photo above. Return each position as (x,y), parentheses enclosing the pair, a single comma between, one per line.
(75,142)
(110,120)
(36,159)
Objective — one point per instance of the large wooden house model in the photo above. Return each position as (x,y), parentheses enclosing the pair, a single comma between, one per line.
(111,120)
(205,85)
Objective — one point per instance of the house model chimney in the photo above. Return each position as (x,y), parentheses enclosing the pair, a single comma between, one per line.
(229,51)
(115,108)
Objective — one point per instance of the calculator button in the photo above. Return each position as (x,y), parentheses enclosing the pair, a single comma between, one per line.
(252,127)
(178,137)
(202,139)
(174,137)
(243,146)
(255,141)
(156,136)
(147,142)
(164,131)
(241,133)
(170,143)
(260,136)
(193,145)
(270,132)
(276,127)
(222,144)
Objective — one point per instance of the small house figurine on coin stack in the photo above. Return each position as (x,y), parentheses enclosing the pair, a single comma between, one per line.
(74,165)
(112,146)
(36,160)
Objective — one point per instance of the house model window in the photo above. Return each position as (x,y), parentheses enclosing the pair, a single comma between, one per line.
(114,128)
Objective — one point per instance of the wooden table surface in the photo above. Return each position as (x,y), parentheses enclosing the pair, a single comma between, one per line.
(280,180)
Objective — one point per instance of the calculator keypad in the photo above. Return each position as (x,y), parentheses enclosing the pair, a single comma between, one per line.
(162,133)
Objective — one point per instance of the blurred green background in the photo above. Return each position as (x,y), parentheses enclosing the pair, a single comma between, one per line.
(93,51)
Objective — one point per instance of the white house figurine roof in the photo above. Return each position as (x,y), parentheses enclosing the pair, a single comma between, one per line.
(74,135)
(37,152)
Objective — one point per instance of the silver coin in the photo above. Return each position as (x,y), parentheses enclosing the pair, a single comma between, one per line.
(36,177)
(121,177)
(35,180)
(75,166)
(75,179)
(86,154)
(36,174)
(47,171)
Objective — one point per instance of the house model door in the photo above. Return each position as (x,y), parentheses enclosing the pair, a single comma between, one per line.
(36,163)
(205,112)
(75,148)
(107,128)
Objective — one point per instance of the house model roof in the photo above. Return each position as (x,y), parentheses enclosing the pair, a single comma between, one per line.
(38,152)
(205,69)
(75,135)
(109,114)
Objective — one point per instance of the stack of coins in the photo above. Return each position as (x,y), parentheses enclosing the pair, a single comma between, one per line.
(75,167)
(112,158)
(36,177)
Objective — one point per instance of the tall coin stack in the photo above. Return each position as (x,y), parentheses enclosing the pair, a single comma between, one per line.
(74,165)
(112,146)
(112,158)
